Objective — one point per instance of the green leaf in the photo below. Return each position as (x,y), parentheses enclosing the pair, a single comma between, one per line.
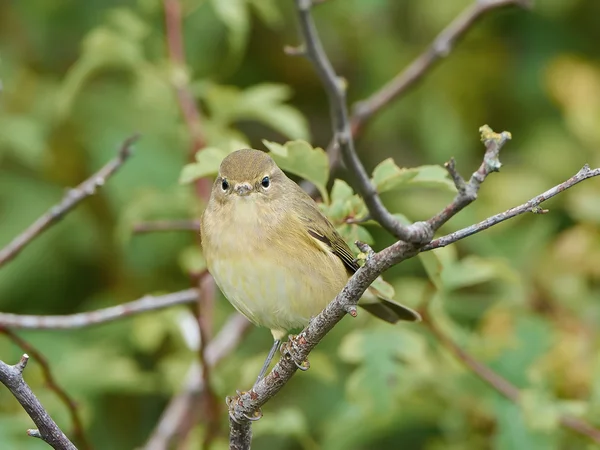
(384,287)
(388,176)
(434,267)
(268,11)
(235,16)
(207,164)
(264,103)
(341,191)
(473,270)
(539,409)
(300,158)
(286,422)
(191,260)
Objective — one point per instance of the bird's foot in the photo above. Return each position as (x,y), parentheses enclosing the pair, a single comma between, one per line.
(288,350)
(235,405)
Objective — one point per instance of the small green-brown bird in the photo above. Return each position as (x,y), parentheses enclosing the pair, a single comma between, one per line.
(271,251)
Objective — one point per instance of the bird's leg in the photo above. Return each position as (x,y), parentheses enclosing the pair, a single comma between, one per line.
(288,350)
(265,366)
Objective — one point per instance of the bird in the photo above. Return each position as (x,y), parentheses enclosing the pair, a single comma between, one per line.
(273,254)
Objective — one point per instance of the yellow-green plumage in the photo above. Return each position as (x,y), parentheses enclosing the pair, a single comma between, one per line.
(272,253)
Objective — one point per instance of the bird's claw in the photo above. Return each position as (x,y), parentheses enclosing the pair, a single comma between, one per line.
(236,408)
(288,351)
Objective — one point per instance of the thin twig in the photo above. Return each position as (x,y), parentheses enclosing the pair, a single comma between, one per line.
(47,429)
(529,206)
(192,117)
(500,384)
(440,48)
(245,407)
(78,431)
(419,232)
(99,316)
(166,225)
(180,406)
(467,192)
(71,199)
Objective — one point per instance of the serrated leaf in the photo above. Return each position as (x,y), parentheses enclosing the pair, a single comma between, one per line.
(207,164)
(300,158)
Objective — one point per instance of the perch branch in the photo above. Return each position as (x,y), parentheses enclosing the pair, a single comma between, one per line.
(529,206)
(500,384)
(51,383)
(71,199)
(86,319)
(47,429)
(245,407)
(440,48)
(419,232)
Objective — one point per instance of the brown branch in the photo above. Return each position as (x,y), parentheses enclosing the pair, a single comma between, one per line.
(500,384)
(78,431)
(166,225)
(419,232)
(71,199)
(245,407)
(529,206)
(47,429)
(191,114)
(180,407)
(99,316)
(440,48)
(467,192)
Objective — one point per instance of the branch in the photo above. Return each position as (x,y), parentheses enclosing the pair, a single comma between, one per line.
(419,232)
(180,407)
(86,319)
(53,386)
(441,47)
(167,225)
(48,431)
(245,407)
(500,384)
(532,205)
(467,192)
(71,199)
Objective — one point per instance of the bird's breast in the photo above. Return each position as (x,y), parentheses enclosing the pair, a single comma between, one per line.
(269,269)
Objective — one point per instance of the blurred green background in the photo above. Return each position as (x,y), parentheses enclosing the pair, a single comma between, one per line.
(524,297)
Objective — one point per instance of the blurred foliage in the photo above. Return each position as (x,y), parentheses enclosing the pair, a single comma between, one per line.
(78,77)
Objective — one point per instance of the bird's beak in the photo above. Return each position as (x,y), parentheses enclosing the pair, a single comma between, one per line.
(243,189)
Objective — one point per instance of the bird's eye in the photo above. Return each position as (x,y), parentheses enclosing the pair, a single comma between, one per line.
(265,182)
(224,184)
